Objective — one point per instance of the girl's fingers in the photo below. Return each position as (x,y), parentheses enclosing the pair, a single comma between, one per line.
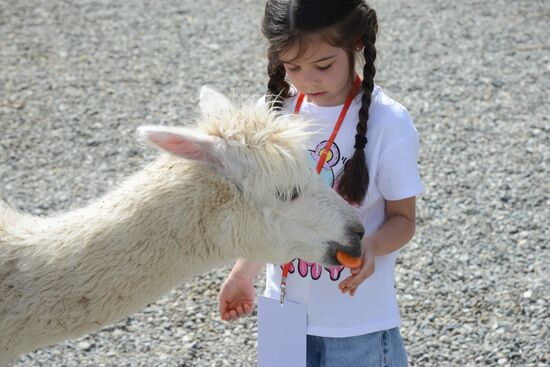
(240,311)
(225,312)
(346,285)
(226,316)
(237,312)
(343,284)
(348,282)
(244,310)
(351,283)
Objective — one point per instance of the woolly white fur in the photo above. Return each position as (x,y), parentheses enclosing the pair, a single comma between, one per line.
(222,192)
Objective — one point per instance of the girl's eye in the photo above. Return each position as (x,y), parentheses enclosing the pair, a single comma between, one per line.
(292,68)
(324,67)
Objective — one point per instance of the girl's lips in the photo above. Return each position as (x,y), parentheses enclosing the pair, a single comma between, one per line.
(316,94)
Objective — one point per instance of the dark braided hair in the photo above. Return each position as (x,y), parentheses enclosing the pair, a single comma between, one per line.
(342,23)
(277,86)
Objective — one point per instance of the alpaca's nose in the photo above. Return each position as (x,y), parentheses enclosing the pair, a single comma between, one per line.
(355,234)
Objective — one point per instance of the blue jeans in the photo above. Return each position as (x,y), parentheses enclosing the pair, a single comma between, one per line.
(382,348)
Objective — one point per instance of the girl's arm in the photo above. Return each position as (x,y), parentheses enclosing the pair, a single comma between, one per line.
(397,230)
(247,269)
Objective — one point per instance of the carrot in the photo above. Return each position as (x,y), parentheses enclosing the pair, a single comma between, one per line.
(347,260)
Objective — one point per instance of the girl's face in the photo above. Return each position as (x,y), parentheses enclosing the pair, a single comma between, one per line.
(322,73)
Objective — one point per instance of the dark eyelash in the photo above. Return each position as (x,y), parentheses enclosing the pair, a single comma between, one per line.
(289,196)
(324,67)
(295,194)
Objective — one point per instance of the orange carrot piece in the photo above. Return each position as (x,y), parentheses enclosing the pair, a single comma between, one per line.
(347,260)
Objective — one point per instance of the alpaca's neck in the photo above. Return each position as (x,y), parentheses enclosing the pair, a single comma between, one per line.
(95,265)
(162,220)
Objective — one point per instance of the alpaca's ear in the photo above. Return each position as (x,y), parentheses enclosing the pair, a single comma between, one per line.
(184,143)
(212,103)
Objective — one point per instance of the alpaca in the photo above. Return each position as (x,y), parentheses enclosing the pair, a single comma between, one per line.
(234,185)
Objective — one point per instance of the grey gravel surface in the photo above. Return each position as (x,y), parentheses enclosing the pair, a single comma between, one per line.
(77,78)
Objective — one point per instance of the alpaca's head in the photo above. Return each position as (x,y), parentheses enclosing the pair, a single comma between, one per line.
(290,212)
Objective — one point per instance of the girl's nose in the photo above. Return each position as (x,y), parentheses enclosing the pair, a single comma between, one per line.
(309,77)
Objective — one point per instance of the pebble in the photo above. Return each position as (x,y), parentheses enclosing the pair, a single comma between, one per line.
(85,346)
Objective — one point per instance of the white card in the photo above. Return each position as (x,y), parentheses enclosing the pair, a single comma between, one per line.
(282,333)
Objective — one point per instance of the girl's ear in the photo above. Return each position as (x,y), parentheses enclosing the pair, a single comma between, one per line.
(212,103)
(358,46)
(184,143)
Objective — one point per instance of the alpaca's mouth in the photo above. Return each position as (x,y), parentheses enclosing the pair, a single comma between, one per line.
(353,250)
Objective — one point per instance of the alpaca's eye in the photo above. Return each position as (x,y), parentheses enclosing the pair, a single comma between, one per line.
(289,195)
(295,194)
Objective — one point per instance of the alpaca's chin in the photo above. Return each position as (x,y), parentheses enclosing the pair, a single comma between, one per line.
(330,258)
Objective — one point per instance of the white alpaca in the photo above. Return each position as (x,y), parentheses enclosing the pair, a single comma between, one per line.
(236,185)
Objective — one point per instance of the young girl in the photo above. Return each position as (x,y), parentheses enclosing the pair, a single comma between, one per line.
(315,45)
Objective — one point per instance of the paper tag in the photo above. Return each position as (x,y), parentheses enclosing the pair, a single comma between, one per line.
(282,333)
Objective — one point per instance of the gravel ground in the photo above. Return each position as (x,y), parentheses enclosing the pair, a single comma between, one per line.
(77,78)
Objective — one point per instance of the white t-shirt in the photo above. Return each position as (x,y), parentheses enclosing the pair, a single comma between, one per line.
(391,154)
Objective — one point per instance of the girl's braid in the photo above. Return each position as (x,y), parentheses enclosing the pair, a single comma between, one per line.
(355,180)
(277,87)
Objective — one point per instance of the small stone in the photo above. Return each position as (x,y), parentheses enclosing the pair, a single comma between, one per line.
(85,346)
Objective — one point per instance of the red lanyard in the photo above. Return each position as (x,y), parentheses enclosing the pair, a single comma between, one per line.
(323,158)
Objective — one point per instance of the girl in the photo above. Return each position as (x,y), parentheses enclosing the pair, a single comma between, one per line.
(315,45)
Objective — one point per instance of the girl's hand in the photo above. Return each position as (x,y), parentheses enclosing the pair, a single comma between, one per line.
(358,275)
(237,298)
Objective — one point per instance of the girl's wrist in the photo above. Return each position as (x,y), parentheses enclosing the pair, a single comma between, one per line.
(371,245)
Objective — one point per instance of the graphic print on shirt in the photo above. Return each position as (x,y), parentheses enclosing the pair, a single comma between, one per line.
(314,270)
(333,157)
(327,175)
